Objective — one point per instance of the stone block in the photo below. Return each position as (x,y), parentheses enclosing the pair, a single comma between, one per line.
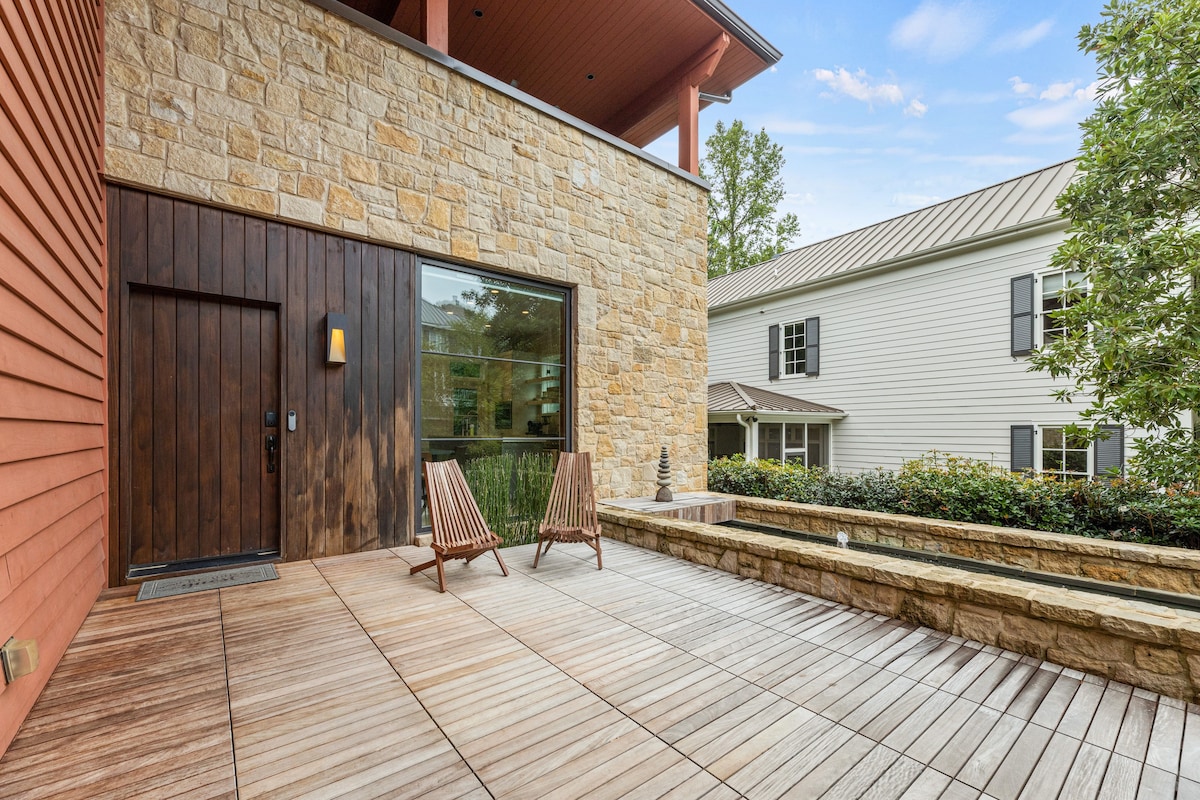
(838,588)
(1105,571)
(1140,625)
(1093,645)
(343,204)
(1060,606)
(1030,637)
(978,623)
(932,612)
(1160,660)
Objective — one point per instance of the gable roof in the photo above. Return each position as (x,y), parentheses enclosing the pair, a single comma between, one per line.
(986,212)
(728,396)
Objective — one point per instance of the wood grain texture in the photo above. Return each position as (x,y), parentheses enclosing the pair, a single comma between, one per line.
(260,290)
(351,677)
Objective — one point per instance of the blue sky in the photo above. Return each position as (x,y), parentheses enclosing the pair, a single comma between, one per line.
(885,107)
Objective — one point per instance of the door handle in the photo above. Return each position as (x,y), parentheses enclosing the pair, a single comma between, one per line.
(272,446)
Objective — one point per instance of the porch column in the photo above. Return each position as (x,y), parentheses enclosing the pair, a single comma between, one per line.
(703,65)
(435,24)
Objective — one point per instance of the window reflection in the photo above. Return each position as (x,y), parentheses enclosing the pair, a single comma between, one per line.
(493,361)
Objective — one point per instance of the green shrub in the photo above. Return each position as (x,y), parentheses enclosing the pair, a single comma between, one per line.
(948,487)
(512,492)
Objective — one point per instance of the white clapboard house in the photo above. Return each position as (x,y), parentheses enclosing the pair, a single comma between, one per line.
(905,337)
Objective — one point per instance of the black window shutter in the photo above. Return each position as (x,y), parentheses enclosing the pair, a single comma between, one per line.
(1022,315)
(1021,448)
(1109,460)
(773,338)
(812,346)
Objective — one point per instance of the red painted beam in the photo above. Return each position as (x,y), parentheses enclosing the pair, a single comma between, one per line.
(435,24)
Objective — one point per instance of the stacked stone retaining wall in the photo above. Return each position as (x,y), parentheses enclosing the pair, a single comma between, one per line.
(1150,646)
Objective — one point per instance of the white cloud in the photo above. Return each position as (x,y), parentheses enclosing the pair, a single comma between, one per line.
(959,97)
(1021,87)
(915,109)
(796,199)
(904,200)
(1061,104)
(1022,39)
(941,31)
(803,127)
(1057,91)
(981,160)
(858,85)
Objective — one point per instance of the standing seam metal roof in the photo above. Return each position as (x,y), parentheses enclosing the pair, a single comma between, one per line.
(727,396)
(991,210)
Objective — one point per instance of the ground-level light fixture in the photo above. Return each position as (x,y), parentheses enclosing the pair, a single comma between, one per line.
(335,339)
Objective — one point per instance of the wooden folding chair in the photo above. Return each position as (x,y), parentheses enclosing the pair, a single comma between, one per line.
(571,515)
(459,530)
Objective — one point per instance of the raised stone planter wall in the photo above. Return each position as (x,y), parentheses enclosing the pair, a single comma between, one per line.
(1170,569)
(1150,646)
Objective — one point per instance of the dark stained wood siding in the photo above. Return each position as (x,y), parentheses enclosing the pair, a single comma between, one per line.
(165,477)
(347,472)
(52,332)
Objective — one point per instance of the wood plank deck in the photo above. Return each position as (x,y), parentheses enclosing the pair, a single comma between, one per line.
(653,678)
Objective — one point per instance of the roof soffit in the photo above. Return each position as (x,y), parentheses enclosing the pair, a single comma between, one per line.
(549,49)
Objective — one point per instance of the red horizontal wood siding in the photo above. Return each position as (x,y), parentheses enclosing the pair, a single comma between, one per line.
(52,332)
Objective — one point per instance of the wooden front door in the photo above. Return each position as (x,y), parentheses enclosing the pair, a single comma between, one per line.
(202,483)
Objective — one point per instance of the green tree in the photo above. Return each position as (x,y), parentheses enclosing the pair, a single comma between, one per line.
(746,190)
(1134,343)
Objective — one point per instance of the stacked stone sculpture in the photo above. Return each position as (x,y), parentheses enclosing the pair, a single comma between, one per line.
(664,478)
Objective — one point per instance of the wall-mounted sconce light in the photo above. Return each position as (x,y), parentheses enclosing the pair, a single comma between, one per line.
(335,339)
(19,658)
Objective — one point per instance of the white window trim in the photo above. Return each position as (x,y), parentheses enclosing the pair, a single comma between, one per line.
(785,362)
(1039,323)
(1038,450)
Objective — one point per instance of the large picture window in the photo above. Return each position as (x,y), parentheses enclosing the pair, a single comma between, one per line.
(494,365)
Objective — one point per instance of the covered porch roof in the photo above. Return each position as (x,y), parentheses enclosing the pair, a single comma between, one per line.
(618,65)
(728,397)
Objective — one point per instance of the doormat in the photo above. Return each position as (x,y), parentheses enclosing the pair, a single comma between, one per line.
(185,584)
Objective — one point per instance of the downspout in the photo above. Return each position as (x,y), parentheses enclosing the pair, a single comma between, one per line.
(746,437)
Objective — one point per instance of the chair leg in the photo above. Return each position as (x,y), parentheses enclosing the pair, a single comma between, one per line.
(420,567)
(503,568)
(538,553)
(441,574)
(599,561)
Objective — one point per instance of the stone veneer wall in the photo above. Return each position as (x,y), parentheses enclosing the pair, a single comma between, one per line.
(1169,569)
(1145,645)
(283,109)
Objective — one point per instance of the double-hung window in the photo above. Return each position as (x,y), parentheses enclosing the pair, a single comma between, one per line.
(1037,300)
(1058,291)
(1059,451)
(795,348)
(1064,453)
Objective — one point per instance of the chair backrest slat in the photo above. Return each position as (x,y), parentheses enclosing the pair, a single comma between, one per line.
(453,512)
(572,497)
